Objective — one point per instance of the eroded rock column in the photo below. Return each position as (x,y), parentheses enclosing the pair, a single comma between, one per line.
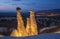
(33,24)
(28,27)
(20,31)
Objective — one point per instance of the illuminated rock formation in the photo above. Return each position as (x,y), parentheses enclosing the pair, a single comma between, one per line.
(28,27)
(31,27)
(20,31)
(33,24)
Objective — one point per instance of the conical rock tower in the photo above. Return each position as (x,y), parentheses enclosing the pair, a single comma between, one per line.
(28,27)
(20,31)
(33,23)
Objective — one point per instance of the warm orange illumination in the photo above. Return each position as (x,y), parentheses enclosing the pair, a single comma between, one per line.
(20,31)
(33,23)
(31,27)
(28,27)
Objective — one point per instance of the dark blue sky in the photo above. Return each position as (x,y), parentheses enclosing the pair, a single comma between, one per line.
(26,5)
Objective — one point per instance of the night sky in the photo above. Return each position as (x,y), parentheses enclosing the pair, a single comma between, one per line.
(26,5)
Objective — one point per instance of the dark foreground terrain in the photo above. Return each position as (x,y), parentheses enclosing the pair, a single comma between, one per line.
(41,36)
